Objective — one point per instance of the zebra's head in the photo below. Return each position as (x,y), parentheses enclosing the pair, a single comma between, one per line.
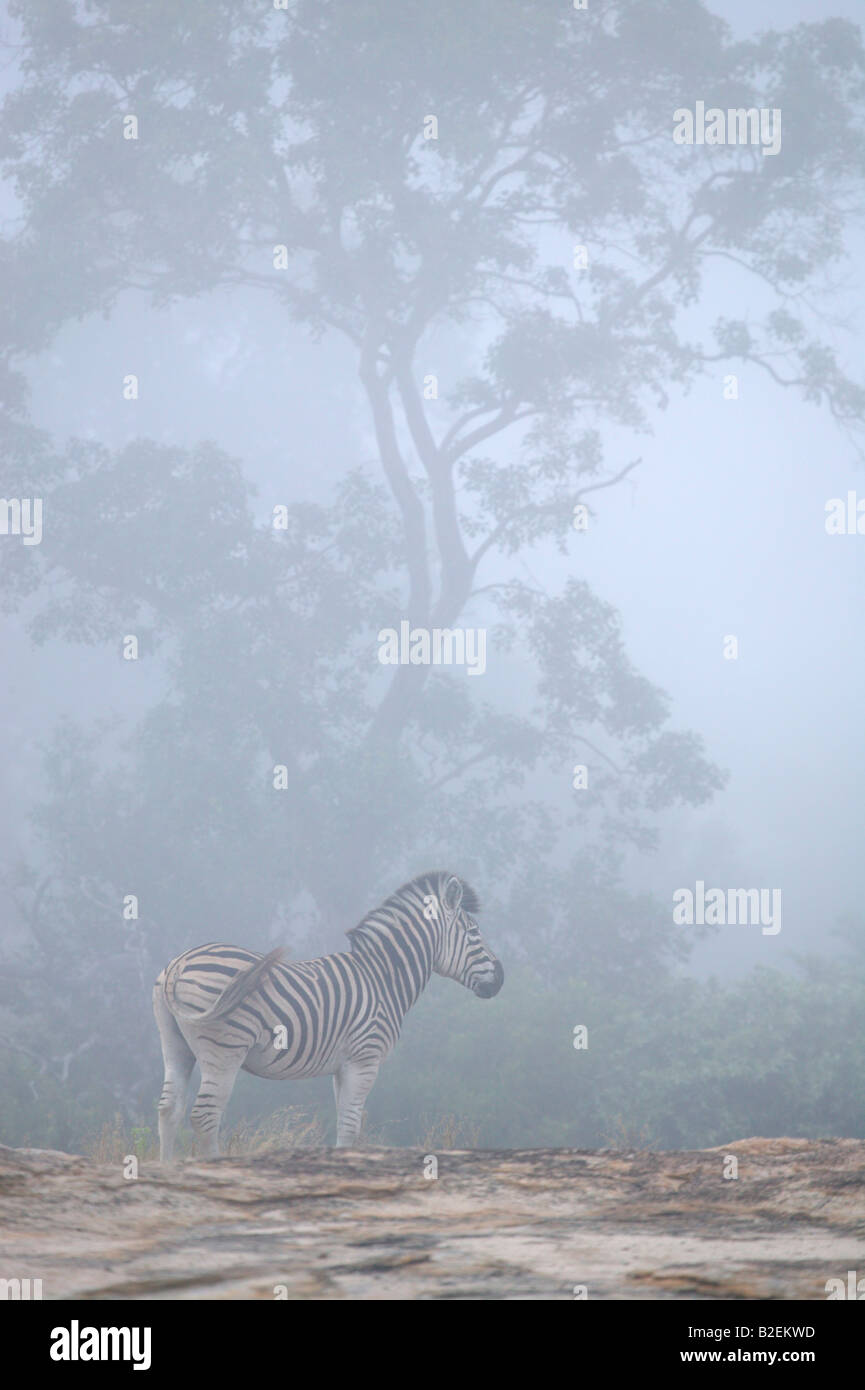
(461,952)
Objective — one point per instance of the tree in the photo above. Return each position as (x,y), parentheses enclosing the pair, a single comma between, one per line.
(388,175)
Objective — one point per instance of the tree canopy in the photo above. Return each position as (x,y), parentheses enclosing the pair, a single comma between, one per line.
(500,179)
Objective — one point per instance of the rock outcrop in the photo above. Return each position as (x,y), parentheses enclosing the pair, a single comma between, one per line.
(520,1224)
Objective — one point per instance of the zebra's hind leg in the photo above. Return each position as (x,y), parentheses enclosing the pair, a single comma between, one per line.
(219,1068)
(351,1086)
(179,1059)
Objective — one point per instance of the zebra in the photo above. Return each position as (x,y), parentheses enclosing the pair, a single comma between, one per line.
(340,1015)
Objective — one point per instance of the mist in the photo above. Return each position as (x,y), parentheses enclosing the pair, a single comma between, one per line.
(254,467)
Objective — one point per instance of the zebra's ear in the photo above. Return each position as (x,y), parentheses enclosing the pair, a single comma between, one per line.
(452,895)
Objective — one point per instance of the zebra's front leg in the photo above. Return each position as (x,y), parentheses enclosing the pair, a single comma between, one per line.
(351,1086)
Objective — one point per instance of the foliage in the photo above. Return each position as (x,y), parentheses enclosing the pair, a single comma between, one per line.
(303,129)
(679,1064)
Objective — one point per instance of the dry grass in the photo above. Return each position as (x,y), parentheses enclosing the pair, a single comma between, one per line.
(283,1130)
(448,1132)
(117,1140)
(621,1135)
(292,1127)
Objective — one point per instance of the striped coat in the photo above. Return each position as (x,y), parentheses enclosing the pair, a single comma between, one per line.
(340,1015)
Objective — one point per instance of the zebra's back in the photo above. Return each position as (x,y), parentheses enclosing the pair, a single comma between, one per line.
(304,1018)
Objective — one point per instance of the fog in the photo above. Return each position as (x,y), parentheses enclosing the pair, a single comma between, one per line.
(718,531)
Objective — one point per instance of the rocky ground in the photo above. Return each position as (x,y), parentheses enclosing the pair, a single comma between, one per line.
(520,1224)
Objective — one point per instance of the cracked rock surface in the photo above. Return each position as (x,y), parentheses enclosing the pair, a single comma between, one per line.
(494,1224)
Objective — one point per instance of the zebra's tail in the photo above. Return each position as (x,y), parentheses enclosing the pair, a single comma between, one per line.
(234,993)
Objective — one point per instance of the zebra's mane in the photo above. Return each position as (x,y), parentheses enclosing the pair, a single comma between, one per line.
(433,879)
(422,883)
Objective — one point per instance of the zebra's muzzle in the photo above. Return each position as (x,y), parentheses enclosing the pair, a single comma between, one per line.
(485,989)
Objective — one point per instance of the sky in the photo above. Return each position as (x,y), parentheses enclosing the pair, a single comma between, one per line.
(719,532)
